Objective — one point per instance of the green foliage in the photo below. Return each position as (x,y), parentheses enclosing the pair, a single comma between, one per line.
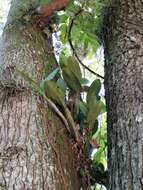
(44,2)
(96,108)
(101,137)
(84,29)
(53,92)
(61,83)
(84,81)
(95,127)
(71,72)
(86,17)
(89,110)
(81,22)
(52,74)
(83,108)
(49,77)
(93,92)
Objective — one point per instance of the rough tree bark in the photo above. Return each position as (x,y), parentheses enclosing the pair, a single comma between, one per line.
(35,152)
(123,37)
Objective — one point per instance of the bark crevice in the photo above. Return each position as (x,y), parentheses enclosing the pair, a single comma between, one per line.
(123,37)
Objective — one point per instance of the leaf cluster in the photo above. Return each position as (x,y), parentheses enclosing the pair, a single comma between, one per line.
(87,17)
(71,84)
(67,88)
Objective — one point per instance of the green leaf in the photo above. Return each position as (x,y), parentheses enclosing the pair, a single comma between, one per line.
(63,18)
(52,74)
(44,2)
(61,83)
(101,166)
(71,72)
(95,127)
(99,157)
(93,92)
(42,83)
(53,92)
(71,80)
(74,66)
(83,107)
(94,110)
(49,77)
(84,81)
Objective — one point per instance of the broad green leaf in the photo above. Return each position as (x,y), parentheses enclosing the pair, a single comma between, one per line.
(53,92)
(95,127)
(42,83)
(93,92)
(61,83)
(44,2)
(72,81)
(52,74)
(84,81)
(71,72)
(63,18)
(49,77)
(99,157)
(74,66)
(83,107)
(94,110)
(63,61)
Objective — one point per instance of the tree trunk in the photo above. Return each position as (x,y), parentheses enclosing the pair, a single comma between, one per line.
(35,152)
(123,37)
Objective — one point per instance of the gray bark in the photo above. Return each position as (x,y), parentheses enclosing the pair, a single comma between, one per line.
(123,37)
(35,152)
